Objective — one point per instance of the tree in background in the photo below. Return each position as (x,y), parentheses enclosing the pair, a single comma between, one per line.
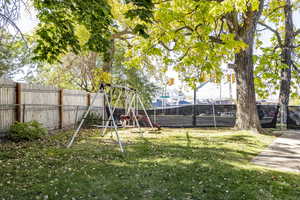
(14,54)
(14,51)
(92,35)
(85,72)
(137,78)
(278,64)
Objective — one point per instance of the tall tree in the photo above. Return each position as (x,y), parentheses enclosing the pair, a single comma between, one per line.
(283,48)
(244,30)
(202,32)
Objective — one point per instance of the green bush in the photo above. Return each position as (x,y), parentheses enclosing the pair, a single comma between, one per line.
(27,131)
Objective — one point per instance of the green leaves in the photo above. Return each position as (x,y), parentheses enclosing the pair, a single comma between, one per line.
(14,54)
(140,29)
(58,21)
(142,9)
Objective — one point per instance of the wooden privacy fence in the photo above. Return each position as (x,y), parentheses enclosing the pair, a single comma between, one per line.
(53,107)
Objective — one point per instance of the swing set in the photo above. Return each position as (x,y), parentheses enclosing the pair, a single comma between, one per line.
(132,100)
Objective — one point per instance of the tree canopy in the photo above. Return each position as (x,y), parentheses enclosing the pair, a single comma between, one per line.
(185,35)
(59,22)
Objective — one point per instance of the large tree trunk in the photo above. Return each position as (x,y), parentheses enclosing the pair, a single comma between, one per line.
(286,57)
(246,116)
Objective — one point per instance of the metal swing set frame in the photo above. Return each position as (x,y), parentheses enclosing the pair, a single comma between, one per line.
(133,100)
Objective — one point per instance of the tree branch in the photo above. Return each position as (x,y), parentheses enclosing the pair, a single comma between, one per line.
(15,26)
(297,32)
(274,31)
(184,55)
(216,40)
(184,27)
(274,10)
(232,22)
(118,35)
(295,67)
(165,46)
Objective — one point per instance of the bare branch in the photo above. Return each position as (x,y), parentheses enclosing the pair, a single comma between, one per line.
(15,26)
(166,46)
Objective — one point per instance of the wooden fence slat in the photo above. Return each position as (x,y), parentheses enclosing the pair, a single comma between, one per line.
(19,102)
(61,110)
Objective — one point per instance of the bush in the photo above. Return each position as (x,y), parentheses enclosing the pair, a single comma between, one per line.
(27,131)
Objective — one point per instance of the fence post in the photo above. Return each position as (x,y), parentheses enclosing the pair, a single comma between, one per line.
(24,113)
(194,107)
(214,114)
(61,108)
(19,102)
(88,102)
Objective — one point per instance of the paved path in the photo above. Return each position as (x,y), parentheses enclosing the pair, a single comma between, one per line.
(282,154)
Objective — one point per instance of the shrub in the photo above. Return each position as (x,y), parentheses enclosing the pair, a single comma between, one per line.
(27,131)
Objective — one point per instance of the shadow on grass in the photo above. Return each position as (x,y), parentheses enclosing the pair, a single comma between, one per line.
(148,170)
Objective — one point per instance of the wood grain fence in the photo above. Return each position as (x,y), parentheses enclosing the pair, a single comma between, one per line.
(53,107)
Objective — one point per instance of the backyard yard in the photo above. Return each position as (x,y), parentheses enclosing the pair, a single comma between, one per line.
(210,164)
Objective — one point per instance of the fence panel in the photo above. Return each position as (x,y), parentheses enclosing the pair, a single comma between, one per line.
(7,105)
(98,108)
(209,116)
(74,105)
(53,107)
(205,115)
(268,115)
(293,119)
(41,103)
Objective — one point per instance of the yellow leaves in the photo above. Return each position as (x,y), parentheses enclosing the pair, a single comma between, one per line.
(118,9)
(231,43)
(228,6)
(82,33)
(134,62)
(203,77)
(101,77)
(170,81)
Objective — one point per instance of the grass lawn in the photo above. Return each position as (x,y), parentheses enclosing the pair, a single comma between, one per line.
(180,164)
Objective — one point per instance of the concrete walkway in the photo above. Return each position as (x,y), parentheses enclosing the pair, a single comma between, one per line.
(282,154)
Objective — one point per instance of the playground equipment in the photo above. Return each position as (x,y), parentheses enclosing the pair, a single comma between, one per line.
(130,112)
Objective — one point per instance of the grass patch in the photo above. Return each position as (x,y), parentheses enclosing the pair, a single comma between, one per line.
(174,164)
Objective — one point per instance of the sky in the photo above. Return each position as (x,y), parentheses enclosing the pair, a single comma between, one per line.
(28,22)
